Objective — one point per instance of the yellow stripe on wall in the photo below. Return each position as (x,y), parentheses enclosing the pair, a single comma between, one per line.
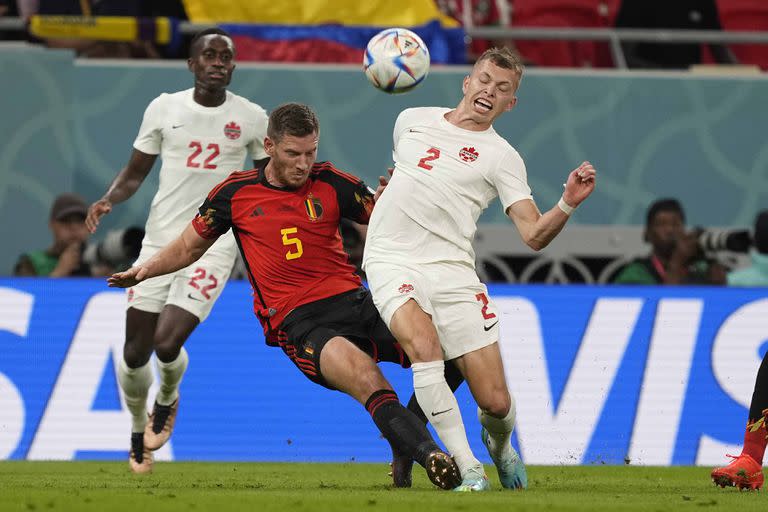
(379,13)
(104,28)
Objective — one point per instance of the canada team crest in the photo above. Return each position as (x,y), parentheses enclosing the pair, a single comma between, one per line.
(232,130)
(314,207)
(468,154)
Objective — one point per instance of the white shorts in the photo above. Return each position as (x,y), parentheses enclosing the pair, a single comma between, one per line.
(463,314)
(193,289)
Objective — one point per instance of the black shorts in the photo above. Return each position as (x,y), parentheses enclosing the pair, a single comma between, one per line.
(352,315)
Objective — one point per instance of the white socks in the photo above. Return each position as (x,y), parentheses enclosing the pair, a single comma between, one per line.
(135,383)
(170,378)
(442,410)
(499,431)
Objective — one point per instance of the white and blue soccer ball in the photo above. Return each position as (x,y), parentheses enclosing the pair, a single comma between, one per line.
(396,60)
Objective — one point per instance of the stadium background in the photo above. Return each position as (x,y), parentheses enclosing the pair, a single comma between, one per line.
(695,138)
(68,124)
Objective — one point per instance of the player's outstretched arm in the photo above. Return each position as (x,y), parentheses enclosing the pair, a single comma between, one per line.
(537,229)
(125,184)
(182,252)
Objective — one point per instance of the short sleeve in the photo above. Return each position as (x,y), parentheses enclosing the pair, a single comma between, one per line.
(150,135)
(256,146)
(354,196)
(401,124)
(511,179)
(215,215)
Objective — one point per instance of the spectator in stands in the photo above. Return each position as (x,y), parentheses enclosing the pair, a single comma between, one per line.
(63,258)
(663,14)
(676,257)
(484,13)
(757,273)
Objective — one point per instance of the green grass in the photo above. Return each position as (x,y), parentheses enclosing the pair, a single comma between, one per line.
(221,487)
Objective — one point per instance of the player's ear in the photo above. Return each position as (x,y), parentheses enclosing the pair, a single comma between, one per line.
(269,146)
(190,63)
(511,104)
(465,84)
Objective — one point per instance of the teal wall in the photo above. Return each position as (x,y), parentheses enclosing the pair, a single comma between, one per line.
(69,125)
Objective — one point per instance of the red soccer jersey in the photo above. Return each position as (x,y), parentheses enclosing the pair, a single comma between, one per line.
(289,239)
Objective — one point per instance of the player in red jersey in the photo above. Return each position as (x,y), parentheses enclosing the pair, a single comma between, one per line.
(285,216)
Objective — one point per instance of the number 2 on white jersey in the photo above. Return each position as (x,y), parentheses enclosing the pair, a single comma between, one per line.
(197,148)
(434,154)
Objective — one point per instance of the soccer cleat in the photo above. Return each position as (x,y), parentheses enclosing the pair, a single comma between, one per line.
(743,472)
(511,470)
(474,481)
(402,466)
(139,458)
(160,425)
(441,470)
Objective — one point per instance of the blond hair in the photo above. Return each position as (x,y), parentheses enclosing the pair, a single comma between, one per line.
(504,58)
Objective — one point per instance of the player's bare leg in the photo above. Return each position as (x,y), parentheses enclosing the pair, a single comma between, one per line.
(350,370)
(173,328)
(414,330)
(135,378)
(484,373)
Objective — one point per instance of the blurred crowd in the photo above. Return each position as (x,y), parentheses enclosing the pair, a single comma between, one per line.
(728,15)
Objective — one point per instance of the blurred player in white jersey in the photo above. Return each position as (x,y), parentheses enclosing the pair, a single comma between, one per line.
(449,165)
(202,135)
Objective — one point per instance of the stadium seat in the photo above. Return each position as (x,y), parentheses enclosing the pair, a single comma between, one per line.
(566,14)
(748,15)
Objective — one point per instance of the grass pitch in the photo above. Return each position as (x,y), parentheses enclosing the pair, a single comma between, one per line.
(261,487)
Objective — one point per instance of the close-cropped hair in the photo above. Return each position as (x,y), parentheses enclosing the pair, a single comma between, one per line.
(207,32)
(663,205)
(294,119)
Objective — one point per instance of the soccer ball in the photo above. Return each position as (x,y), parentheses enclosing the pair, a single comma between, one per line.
(396,60)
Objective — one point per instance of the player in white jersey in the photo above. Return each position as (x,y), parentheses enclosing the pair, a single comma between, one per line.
(202,135)
(449,165)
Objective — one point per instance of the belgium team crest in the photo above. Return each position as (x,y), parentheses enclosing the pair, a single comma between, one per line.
(314,207)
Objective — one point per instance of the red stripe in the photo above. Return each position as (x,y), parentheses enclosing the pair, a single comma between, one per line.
(388,397)
(328,166)
(375,350)
(373,408)
(233,178)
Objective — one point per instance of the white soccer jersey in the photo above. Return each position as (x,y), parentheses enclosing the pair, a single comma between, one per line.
(199,147)
(445,176)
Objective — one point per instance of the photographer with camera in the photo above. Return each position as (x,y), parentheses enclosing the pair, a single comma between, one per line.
(677,256)
(72,254)
(63,258)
